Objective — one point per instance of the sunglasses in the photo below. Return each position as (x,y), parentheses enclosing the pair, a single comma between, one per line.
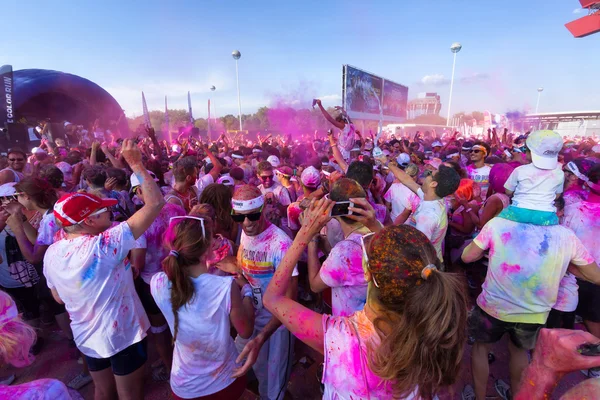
(266,177)
(475,151)
(427,173)
(239,218)
(191,217)
(16,159)
(365,241)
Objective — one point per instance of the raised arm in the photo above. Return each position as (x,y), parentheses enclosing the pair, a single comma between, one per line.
(115,163)
(337,154)
(215,172)
(339,125)
(153,199)
(402,176)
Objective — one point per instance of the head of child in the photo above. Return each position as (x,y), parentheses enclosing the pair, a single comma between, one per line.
(421,312)
(16,337)
(188,240)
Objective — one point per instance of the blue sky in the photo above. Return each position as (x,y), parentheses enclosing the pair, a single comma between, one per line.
(293,51)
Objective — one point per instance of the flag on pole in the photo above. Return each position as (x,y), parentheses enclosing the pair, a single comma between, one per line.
(146,115)
(190,109)
(166,116)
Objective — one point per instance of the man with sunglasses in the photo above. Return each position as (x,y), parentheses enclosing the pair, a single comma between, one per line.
(478,170)
(16,167)
(277,197)
(431,215)
(262,247)
(90,273)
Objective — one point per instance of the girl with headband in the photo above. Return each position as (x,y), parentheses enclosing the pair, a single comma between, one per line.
(200,309)
(408,340)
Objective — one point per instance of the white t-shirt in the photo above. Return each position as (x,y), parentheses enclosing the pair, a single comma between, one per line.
(526,265)
(203,182)
(92,276)
(401,198)
(47,229)
(431,218)
(535,188)
(346,373)
(41,389)
(342,271)
(204,354)
(481,176)
(259,256)
(280,192)
(155,236)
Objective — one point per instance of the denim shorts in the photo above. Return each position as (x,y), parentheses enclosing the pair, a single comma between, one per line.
(484,328)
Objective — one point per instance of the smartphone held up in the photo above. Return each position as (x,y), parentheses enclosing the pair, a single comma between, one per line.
(341,209)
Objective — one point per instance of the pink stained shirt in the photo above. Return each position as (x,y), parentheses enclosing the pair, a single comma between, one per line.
(346,373)
(342,271)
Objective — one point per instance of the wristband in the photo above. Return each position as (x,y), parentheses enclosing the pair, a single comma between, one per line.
(469,210)
(246,290)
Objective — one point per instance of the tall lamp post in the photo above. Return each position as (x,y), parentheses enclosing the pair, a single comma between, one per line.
(537,105)
(236,56)
(455,48)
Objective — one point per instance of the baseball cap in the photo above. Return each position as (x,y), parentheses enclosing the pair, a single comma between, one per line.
(545,146)
(226,180)
(310,177)
(73,208)
(437,143)
(412,170)
(136,182)
(403,159)
(467,145)
(434,162)
(37,150)
(274,161)
(176,148)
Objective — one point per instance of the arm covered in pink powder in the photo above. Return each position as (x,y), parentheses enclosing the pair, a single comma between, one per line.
(304,323)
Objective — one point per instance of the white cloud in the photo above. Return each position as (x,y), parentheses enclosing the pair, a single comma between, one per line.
(434,80)
(475,77)
(331,98)
(578,11)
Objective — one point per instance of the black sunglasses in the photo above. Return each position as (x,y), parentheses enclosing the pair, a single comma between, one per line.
(16,159)
(266,177)
(239,218)
(475,151)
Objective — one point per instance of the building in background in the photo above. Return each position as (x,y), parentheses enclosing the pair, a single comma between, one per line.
(572,123)
(424,104)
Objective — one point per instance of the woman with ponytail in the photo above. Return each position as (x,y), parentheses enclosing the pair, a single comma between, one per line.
(409,339)
(200,309)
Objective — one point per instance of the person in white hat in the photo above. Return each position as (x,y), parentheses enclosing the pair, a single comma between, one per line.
(535,186)
(274,161)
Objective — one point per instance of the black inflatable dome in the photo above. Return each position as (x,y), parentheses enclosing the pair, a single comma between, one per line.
(41,94)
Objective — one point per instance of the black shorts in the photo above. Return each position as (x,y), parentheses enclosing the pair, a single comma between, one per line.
(560,319)
(484,328)
(589,301)
(27,301)
(124,362)
(143,291)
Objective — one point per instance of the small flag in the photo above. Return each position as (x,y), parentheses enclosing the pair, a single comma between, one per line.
(190,109)
(166,116)
(146,115)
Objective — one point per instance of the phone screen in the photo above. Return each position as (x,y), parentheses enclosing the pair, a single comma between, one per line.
(341,208)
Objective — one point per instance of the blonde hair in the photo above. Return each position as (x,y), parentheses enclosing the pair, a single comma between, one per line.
(16,338)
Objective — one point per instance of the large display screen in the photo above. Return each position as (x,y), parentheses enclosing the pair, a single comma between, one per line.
(367,96)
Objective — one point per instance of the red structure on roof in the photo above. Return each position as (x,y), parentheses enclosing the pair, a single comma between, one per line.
(589,24)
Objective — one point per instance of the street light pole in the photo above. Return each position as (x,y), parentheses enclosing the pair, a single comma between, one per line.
(236,56)
(455,48)
(537,105)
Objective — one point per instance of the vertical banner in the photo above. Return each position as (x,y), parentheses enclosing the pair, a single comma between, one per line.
(7,115)
(208,122)
(190,109)
(146,114)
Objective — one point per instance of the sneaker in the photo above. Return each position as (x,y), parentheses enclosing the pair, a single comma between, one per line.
(79,381)
(503,389)
(591,373)
(468,393)
(8,380)
(160,374)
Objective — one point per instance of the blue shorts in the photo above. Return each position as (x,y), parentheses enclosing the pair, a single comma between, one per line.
(124,362)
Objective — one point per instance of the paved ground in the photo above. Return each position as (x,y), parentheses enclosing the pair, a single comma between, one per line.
(58,360)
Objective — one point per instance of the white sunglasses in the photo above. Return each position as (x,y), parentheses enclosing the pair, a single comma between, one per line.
(191,217)
(366,256)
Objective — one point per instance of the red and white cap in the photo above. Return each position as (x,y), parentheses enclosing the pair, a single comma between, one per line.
(73,208)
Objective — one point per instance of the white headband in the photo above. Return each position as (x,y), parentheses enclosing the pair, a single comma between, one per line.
(571,166)
(247,205)
(453,155)
(326,173)
(256,150)
(325,164)
(239,157)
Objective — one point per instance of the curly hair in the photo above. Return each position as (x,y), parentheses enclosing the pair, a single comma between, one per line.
(219,197)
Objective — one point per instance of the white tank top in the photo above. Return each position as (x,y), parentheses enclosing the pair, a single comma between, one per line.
(18,175)
(204,354)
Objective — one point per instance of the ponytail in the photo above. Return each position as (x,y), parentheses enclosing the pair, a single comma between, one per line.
(425,345)
(182,288)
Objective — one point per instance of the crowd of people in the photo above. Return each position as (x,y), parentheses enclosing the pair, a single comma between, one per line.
(387,256)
